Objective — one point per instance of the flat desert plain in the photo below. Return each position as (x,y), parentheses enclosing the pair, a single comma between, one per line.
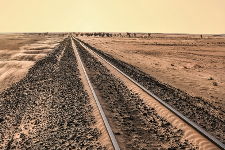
(19,52)
(188,62)
(52,105)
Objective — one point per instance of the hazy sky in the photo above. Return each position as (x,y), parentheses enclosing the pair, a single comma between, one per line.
(164,16)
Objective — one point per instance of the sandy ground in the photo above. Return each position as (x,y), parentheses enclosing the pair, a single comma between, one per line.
(192,64)
(18,52)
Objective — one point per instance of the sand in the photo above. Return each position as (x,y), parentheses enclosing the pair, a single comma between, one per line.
(19,52)
(189,63)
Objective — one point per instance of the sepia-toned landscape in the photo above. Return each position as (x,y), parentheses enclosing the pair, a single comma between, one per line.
(104,90)
(112,75)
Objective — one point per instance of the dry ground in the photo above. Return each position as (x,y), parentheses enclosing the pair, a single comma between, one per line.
(192,64)
(18,52)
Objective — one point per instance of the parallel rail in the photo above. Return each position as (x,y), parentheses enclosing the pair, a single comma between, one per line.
(105,120)
(181,116)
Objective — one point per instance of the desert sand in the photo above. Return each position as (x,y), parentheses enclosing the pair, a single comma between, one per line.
(188,62)
(19,52)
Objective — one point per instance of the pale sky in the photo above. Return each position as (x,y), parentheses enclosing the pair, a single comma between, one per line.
(156,16)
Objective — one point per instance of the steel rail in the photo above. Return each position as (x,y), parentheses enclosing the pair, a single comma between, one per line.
(181,116)
(105,120)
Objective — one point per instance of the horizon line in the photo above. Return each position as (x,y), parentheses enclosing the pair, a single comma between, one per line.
(118,32)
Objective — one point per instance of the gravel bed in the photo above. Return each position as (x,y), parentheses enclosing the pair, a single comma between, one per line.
(49,109)
(136,125)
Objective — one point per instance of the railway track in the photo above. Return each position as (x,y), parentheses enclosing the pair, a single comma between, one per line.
(205,114)
(103,116)
(75,99)
(49,108)
(192,131)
